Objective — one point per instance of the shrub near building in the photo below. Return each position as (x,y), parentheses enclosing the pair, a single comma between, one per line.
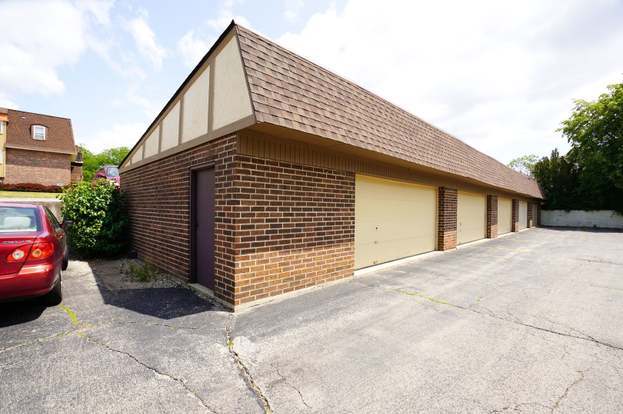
(98,213)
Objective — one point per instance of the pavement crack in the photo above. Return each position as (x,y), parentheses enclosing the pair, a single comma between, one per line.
(589,260)
(36,341)
(155,370)
(516,407)
(582,336)
(605,287)
(285,381)
(244,371)
(157,324)
(566,392)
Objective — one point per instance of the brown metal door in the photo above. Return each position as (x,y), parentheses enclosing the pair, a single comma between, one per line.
(203,226)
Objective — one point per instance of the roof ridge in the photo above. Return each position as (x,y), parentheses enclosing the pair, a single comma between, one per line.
(361,88)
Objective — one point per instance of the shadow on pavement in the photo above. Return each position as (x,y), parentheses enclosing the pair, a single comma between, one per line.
(163,303)
(15,313)
(164,299)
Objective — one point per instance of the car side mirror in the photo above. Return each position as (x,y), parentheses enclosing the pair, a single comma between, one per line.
(67,224)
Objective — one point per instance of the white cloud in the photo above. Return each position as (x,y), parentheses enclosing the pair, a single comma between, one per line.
(117,58)
(38,38)
(115,135)
(195,43)
(499,76)
(292,9)
(193,47)
(145,40)
(31,58)
(6,102)
(99,9)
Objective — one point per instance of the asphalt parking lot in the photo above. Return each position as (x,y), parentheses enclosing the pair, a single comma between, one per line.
(525,323)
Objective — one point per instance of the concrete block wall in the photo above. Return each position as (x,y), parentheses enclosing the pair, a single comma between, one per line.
(604,219)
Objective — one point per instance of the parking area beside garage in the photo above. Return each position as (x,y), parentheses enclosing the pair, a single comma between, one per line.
(523,323)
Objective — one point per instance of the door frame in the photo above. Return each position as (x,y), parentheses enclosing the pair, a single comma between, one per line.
(192,209)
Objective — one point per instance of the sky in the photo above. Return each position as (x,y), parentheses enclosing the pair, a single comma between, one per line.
(499,75)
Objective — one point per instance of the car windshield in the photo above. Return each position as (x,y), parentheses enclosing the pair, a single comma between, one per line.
(19,219)
(112,172)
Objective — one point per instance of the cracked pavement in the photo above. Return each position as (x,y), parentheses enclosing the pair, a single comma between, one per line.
(526,323)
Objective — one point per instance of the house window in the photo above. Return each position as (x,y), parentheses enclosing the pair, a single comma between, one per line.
(39,132)
(2,127)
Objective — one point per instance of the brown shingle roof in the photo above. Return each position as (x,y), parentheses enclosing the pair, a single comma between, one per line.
(293,92)
(60,136)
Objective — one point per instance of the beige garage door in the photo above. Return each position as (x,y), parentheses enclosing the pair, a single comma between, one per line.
(523,215)
(505,215)
(471,216)
(393,219)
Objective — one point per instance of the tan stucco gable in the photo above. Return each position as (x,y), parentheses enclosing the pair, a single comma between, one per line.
(213,101)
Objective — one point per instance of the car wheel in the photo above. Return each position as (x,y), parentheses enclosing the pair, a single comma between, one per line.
(55,297)
(65,263)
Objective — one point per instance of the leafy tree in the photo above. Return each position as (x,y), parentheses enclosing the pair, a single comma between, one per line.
(524,164)
(595,132)
(590,175)
(558,179)
(92,162)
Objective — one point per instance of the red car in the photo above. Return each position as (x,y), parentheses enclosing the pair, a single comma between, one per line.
(33,253)
(110,173)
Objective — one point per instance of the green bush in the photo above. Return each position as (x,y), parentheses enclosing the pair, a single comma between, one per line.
(100,221)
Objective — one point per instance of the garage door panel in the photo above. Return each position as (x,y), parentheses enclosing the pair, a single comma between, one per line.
(392,220)
(471,217)
(505,215)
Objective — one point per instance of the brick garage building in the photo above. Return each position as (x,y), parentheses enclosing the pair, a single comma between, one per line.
(266,173)
(37,149)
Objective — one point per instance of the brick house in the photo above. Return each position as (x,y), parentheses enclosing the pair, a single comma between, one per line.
(265,174)
(37,149)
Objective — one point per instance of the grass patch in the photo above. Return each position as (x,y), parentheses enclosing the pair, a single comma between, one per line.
(142,272)
(26,194)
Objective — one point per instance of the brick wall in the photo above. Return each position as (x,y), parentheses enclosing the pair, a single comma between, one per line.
(159,203)
(76,173)
(492,216)
(530,215)
(515,215)
(279,227)
(447,218)
(295,228)
(48,168)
